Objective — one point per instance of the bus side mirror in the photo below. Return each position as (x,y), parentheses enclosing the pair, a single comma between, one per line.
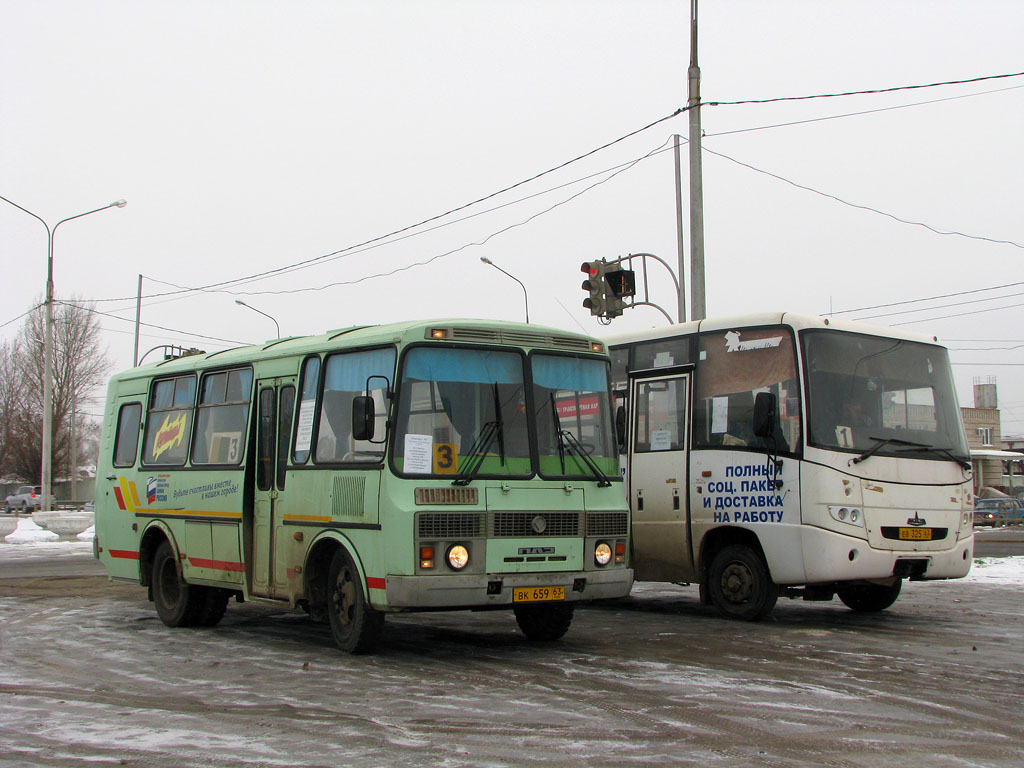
(765,414)
(363,417)
(620,426)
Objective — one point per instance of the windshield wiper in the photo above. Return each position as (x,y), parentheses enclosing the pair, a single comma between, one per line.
(603,481)
(945,452)
(566,438)
(884,441)
(475,458)
(492,429)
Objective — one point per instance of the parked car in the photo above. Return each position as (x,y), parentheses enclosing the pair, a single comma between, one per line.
(26,499)
(993,512)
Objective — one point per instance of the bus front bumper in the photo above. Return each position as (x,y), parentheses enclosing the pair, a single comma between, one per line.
(828,556)
(495,590)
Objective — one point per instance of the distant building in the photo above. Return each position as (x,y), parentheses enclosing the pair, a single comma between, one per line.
(994,465)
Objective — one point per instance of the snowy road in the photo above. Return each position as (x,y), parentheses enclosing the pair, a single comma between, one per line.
(89,675)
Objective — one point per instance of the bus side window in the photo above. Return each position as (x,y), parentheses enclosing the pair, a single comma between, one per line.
(307,410)
(169,421)
(126,444)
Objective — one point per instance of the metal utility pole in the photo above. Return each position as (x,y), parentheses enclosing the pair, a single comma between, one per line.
(138,316)
(698,309)
(680,285)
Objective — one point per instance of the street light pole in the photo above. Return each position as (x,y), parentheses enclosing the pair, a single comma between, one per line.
(526,297)
(47,447)
(241,303)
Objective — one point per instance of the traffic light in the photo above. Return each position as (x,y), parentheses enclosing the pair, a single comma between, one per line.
(621,284)
(595,286)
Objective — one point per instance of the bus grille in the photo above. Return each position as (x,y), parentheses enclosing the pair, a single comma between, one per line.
(607,524)
(522,338)
(460,525)
(516,524)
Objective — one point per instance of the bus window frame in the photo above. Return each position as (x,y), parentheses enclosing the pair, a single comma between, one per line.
(315,425)
(197,407)
(312,462)
(794,451)
(149,413)
(138,435)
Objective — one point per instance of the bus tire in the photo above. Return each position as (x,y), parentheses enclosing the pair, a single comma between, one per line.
(544,622)
(177,604)
(739,584)
(213,606)
(870,598)
(356,627)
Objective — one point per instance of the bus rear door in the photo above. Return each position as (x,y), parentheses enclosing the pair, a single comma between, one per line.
(276,404)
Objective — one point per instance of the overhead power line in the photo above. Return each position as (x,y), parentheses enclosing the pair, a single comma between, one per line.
(872,91)
(892,216)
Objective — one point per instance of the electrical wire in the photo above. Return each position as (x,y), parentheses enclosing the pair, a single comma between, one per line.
(151,325)
(862,93)
(928,298)
(857,114)
(892,216)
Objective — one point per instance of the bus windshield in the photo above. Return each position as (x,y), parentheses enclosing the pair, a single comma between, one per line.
(464,412)
(573,417)
(881,397)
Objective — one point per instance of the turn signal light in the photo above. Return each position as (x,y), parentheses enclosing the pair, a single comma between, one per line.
(426,557)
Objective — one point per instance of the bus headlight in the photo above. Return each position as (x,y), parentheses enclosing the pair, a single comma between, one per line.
(848,515)
(602,553)
(458,557)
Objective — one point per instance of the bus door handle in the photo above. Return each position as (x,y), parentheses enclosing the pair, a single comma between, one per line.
(675,499)
(111,476)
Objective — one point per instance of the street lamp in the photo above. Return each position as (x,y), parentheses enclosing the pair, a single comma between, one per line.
(47,464)
(526,297)
(241,303)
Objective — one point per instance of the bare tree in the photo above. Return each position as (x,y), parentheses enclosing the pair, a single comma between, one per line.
(12,399)
(80,368)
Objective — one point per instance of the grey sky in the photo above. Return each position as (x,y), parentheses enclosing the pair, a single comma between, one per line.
(247,136)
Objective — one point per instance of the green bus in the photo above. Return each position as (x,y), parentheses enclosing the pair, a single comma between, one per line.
(416,466)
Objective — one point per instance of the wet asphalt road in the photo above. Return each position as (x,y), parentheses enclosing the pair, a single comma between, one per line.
(89,674)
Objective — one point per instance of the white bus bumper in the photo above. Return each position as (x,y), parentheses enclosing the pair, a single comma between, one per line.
(828,556)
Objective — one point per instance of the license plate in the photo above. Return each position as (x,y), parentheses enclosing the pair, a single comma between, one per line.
(537,594)
(916,534)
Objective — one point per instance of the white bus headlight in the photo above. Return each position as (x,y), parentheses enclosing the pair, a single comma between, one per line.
(602,553)
(848,515)
(458,557)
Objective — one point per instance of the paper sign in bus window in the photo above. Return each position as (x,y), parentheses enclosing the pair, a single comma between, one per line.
(419,454)
(719,415)
(304,432)
(661,440)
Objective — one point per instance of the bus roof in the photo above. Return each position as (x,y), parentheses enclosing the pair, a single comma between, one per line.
(458,330)
(797,321)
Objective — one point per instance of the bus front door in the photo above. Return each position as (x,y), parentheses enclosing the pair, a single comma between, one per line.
(276,405)
(657,476)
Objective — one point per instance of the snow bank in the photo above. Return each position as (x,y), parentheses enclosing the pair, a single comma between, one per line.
(28,532)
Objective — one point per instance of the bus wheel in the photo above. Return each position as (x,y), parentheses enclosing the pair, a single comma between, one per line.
(739,584)
(869,598)
(177,603)
(355,625)
(544,622)
(213,606)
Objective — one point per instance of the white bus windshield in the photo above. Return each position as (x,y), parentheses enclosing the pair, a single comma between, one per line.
(884,397)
